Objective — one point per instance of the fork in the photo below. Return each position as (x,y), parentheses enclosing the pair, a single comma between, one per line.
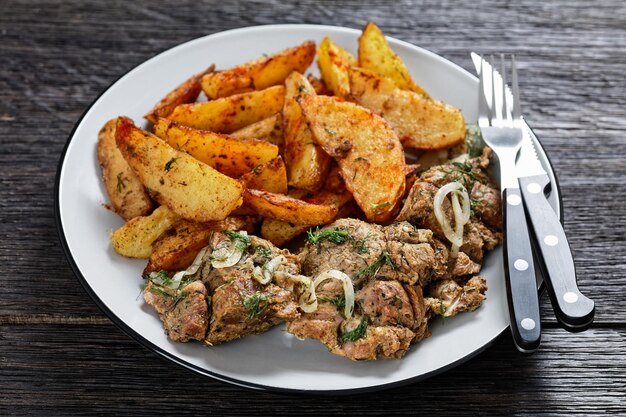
(501,128)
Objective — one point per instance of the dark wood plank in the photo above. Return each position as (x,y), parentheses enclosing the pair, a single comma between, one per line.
(106,373)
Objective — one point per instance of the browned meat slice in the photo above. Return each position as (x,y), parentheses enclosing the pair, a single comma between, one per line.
(477,238)
(420,312)
(487,205)
(184,312)
(348,245)
(241,305)
(448,298)
(384,342)
(462,265)
(418,208)
(385,303)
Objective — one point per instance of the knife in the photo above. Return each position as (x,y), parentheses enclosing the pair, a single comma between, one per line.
(573,310)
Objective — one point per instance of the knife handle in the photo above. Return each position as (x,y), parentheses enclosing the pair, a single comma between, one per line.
(573,310)
(519,270)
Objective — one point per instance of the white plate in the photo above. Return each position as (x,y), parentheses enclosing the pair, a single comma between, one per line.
(274,360)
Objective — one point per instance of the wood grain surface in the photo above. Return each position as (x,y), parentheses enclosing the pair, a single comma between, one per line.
(60,355)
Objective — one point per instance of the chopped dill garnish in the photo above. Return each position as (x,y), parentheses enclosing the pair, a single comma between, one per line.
(380,205)
(257,169)
(255,304)
(374,267)
(168,164)
(241,241)
(357,333)
(359,245)
(339,302)
(120,183)
(301,88)
(330,131)
(336,236)
(264,251)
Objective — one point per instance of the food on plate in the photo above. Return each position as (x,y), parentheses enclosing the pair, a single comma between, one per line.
(288,209)
(260,73)
(307,164)
(269,129)
(227,114)
(419,122)
(375,54)
(127,195)
(270,177)
(176,248)
(366,149)
(190,188)
(334,62)
(135,238)
(238,285)
(231,156)
(359,248)
(187,92)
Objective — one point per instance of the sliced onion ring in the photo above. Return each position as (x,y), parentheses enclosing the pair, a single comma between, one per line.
(225,257)
(265,273)
(348,288)
(461,213)
(192,269)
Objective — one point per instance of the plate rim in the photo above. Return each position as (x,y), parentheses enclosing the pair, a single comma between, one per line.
(207,373)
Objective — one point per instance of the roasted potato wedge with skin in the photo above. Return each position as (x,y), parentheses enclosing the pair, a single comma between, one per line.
(225,115)
(376,54)
(260,73)
(334,62)
(127,195)
(307,164)
(279,232)
(271,177)
(269,129)
(419,122)
(231,156)
(190,188)
(318,85)
(366,148)
(288,209)
(135,238)
(177,247)
(187,92)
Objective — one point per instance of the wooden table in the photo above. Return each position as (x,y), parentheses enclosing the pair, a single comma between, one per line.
(60,355)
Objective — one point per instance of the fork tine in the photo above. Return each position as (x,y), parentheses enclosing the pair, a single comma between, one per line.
(506,110)
(517,110)
(495,114)
(483,106)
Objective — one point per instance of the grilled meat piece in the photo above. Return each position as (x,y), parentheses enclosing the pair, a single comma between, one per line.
(184,312)
(448,298)
(240,304)
(217,305)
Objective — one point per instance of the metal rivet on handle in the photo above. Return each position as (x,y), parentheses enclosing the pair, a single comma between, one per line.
(528,324)
(520,265)
(534,188)
(570,297)
(513,200)
(551,240)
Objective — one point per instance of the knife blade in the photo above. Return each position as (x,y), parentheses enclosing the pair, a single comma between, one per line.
(573,310)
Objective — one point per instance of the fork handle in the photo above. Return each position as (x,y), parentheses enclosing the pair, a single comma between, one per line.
(519,270)
(573,310)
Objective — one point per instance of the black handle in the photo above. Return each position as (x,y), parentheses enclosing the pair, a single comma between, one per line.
(519,269)
(573,310)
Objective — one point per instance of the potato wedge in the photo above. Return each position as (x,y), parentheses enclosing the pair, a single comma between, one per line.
(176,248)
(231,156)
(366,148)
(135,238)
(187,92)
(288,209)
(279,232)
(127,195)
(270,177)
(269,129)
(306,162)
(190,188)
(318,85)
(260,73)
(334,62)
(376,54)
(225,115)
(419,122)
